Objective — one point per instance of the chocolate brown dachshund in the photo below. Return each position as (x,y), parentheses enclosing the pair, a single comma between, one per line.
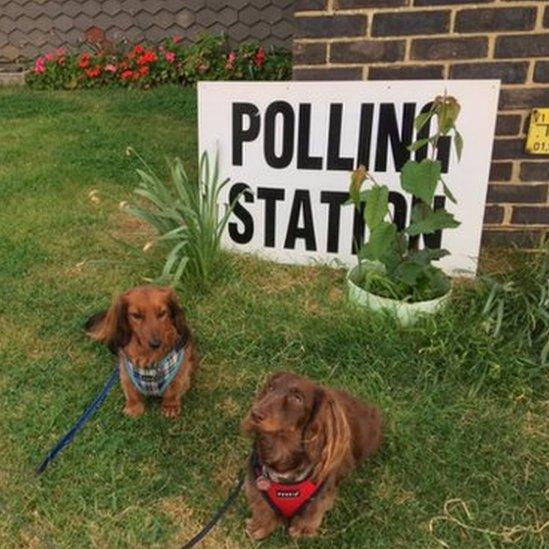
(306,439)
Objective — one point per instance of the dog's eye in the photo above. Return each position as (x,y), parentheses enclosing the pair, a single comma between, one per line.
(161,314)
(297,397)
(136,316)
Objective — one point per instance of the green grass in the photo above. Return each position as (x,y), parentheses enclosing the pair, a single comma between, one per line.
(464,412)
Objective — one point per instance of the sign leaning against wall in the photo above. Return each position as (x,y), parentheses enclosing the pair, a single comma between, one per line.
(290,146)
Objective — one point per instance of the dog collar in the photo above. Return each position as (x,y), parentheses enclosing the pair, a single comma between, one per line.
(154,380)
(286,498)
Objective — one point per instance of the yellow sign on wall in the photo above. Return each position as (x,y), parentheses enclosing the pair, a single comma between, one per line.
(537,141)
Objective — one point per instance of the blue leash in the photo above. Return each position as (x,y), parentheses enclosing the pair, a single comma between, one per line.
(67,438)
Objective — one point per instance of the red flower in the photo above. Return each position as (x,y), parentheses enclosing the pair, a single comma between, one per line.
(84,60)
(126,74)
(176,39)
(143,71)
(139,49)
(94,72)
(147,57)
(260,56)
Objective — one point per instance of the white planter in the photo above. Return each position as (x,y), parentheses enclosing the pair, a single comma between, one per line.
(405,313)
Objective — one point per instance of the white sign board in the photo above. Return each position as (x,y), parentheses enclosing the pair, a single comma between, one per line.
(294,144)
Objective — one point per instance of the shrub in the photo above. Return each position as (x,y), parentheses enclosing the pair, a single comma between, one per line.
(186,214)
(145,66)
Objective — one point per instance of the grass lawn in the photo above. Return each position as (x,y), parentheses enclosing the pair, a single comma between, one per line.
(465,416)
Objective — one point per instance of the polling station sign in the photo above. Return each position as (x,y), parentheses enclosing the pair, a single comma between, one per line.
(290,146)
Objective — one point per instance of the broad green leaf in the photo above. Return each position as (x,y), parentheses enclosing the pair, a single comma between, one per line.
(377,205)
(427,221)
(421,178)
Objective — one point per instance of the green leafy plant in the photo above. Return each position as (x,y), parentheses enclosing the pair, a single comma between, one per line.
(404,271)
(186,214)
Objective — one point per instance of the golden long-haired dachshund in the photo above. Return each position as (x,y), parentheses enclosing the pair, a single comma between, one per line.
(306,439)
(146,328)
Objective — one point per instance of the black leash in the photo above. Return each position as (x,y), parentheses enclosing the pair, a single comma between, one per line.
(218,514)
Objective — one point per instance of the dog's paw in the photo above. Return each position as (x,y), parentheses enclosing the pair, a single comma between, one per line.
(134,410)
(302,531)
(171,411)
(256,531)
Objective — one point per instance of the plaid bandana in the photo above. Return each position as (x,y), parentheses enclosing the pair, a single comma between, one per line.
(154,380)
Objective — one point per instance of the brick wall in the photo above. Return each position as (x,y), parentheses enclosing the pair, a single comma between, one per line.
(415,39)
(30,27)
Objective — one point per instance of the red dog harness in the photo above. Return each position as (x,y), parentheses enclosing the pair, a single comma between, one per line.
(287,499)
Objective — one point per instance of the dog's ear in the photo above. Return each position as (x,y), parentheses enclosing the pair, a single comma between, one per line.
(178,318)
(327,436)
(111,326)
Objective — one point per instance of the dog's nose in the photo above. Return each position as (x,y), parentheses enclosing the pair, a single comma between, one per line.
(154,343)
(257,415)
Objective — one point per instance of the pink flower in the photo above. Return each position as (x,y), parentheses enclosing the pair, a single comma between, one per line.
(230,60)
(39,65)
(60,51)
(48,57)
(170,56)
(110,68)
(176,39)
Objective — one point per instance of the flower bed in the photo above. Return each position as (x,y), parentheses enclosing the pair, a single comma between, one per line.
(145,66)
